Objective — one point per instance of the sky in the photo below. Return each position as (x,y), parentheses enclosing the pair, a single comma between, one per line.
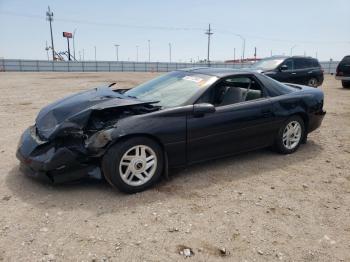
(310,27)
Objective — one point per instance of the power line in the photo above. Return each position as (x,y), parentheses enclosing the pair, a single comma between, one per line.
(171,28)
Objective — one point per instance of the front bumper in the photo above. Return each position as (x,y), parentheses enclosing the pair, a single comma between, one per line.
(44,160)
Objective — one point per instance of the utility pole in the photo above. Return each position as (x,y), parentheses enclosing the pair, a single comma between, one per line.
(270,52)
(79,56)
(83,54)
(137,53)
(49,17)
(209,33)
(149,50)
(255,54)
(116,51)
(169,52)
(74,42)
(234,54)
(95,52)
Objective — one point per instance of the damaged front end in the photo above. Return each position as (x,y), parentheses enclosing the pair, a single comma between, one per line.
(71,135)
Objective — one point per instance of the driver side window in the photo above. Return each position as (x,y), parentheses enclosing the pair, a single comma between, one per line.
(289,63)
(232,90)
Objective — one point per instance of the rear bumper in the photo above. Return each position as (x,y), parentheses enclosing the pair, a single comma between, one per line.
(315,121)
(343,78)
(44,161)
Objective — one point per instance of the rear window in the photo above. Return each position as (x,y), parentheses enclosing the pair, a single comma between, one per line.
(345,60)
(276,87)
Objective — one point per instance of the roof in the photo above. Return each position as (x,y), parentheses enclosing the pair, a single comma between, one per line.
(219,72)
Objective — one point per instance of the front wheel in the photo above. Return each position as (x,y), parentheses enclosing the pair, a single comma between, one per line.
(290,135)
(133,165)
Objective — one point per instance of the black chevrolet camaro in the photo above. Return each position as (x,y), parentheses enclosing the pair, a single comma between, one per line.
(132,137)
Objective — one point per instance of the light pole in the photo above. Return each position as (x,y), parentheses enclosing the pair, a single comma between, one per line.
(49,17)
(291,50)
(149,50)
(74,43)
(95,52)
(47,51)
(137,53)
(170,52)
(234,54)
(83,54)
(243,45)
(116,51)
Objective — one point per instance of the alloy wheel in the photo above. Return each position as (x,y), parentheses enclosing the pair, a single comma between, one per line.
(138,165)
(292,135)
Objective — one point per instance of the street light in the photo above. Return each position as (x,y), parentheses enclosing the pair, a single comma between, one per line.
(116,51)
(137,53)
(170,52)
(291,50)
(149,50)
(243,45)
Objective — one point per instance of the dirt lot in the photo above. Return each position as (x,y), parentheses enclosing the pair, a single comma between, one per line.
(258,206)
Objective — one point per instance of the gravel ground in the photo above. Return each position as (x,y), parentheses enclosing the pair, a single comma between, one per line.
(258,206)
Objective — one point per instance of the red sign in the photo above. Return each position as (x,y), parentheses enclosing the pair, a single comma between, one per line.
(67,34)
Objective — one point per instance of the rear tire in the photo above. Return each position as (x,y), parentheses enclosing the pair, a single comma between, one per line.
(346,84)
(313,82)
(133,165)
(290,135)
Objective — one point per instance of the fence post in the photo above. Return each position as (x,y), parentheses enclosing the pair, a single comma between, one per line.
(96,65)
(122,66)
(20,65)
(37,65)
(134,67)
(82,65)
(68,66)
(109,66)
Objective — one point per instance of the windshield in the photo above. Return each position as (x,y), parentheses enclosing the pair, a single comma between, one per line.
(268,64)
(172,89)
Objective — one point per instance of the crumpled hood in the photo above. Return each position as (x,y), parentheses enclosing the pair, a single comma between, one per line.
(74,111)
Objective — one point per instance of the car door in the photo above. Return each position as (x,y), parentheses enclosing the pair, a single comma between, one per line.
(302,68)
(232,128)
(288,74)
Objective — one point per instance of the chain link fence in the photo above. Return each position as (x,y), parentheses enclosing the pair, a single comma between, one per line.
(21,65)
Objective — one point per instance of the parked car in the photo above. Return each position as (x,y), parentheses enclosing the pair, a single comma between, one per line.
(177,119)
(299,70)
(343,71)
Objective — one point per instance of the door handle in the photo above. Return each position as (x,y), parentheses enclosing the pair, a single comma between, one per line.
(266,113)
(294,73)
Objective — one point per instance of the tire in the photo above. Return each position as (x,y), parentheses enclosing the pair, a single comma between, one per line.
(127,165)
(313,82)
(281,142)
(346,84)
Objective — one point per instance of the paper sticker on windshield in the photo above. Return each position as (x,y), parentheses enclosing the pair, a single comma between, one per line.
(193,79)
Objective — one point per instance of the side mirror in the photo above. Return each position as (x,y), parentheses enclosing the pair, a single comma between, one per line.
(203,108)
(283,68)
